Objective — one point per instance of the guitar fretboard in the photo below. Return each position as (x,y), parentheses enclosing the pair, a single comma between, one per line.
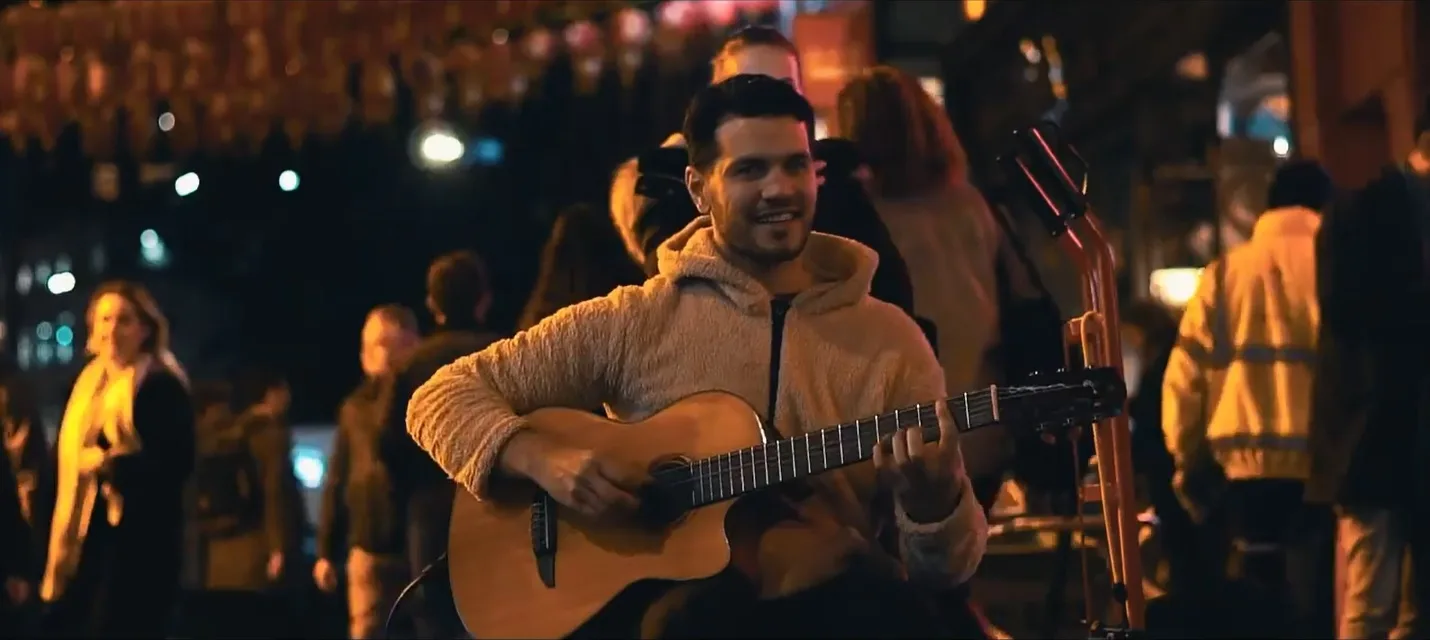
(730,475)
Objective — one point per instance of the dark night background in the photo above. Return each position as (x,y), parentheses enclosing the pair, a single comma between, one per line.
(259,277)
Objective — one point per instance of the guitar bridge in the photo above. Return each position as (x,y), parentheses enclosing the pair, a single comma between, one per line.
(543,537)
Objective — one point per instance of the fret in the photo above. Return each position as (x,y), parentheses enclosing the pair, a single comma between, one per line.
(740,455)
(703,468)
(839,436)
(794,458)
(919,418)
(993,399)
(858,436)
(724,476)
(824,446)
(714,469)
(779,464)
(765,456)
(727,480)
(751,467)
(808,456)
(967,412)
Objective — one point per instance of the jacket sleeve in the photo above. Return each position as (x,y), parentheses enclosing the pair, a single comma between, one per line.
(332,516)
(272,451)
(467,411)
(1184,386)
(943,553)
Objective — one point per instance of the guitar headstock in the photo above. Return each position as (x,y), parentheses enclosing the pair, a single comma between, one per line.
(1052,401)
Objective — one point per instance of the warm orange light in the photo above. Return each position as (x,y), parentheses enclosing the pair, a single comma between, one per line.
(973,9)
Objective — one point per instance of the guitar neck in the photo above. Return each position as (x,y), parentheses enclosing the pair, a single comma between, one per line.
(733,474)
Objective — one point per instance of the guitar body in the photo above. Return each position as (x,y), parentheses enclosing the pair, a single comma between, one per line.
(496,581)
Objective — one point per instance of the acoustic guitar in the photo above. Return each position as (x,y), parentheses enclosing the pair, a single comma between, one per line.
(524,566)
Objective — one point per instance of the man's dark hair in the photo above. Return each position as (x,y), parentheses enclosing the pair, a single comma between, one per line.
(1301,183)
(742,96)
(457,284)
(753,36)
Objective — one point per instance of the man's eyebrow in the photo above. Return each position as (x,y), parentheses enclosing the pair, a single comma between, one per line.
(773,157)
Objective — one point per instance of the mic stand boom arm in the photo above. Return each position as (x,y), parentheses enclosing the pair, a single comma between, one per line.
(1036,171)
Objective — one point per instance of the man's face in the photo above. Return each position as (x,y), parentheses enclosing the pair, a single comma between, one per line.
(761,60)
(760,191)
(384,345)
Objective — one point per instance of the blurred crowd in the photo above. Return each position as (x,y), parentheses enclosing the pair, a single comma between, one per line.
(1282,413)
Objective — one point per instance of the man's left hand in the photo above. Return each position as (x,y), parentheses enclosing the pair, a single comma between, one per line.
(924,476)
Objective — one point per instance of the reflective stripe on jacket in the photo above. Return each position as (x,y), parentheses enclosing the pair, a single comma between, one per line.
(1238,384)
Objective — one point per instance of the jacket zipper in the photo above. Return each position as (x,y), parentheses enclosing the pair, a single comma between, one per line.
(779,307)
(796,492)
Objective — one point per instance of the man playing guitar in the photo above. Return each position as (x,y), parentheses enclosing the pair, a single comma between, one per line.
(750,302)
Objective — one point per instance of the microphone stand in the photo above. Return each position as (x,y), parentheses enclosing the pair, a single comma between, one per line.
(1036,171)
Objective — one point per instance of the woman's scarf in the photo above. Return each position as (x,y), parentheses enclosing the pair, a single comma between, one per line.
(101,403)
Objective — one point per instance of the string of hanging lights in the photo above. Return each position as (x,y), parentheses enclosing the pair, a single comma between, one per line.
(224,74)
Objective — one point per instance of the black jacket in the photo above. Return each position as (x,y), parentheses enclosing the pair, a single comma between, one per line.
(136,571)
(1370,423)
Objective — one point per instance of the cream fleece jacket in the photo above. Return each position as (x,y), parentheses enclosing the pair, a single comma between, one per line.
(703,325)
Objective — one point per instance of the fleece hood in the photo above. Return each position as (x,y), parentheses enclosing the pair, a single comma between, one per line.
(843,269)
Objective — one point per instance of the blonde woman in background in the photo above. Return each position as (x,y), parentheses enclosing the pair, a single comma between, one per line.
(125,450)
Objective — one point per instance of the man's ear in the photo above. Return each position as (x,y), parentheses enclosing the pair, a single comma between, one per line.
(695,184)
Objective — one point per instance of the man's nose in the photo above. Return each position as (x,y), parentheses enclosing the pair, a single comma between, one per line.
(778,184)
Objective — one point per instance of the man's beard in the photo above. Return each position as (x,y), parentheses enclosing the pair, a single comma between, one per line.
(770,257)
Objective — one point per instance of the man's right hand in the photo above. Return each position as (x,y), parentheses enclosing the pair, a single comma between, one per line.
(325,576)
(575,477)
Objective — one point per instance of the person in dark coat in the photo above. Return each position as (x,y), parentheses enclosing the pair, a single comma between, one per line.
(1370,425)
(359,518)
(458,296)
(22,470)
(246,543)
(124,452)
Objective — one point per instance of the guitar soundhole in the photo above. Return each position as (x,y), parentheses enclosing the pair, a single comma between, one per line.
(666,499)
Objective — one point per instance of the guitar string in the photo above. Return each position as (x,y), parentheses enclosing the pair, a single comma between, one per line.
(725,466)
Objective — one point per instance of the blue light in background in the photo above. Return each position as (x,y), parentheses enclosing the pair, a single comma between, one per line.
(488,152)
(309,466)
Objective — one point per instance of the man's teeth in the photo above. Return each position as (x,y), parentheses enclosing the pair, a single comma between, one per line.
(782,217)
